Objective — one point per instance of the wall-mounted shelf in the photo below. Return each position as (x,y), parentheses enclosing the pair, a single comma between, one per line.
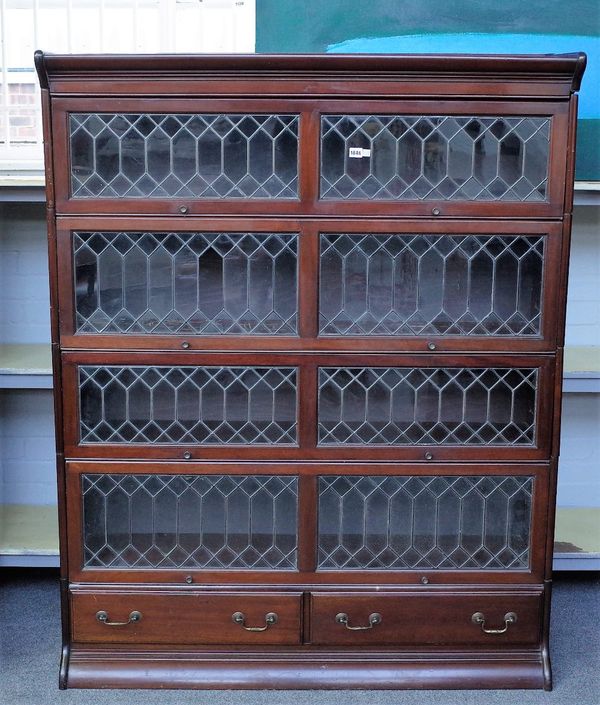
(22,186)
(577,544)
(25,367)
(28,535)
(29,186)
(582,369)
(30,367)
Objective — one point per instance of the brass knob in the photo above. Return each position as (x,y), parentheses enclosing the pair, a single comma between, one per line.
(431,346)
(183,209)
(189,580)
(428,456)
(185,345)
(436,211)
(187,455)
(425,580)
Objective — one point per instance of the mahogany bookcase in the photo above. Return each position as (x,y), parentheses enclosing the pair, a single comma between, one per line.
(307,328)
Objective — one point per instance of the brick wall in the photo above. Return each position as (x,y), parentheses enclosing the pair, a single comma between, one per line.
(23,114)
(26,421)
(24,297)
(27,466)
(578,477)
(583,301)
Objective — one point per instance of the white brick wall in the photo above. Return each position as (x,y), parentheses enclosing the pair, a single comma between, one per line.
(579,467)
(27,467)
(583,302)
(26,424)
(578,470)
(24,297)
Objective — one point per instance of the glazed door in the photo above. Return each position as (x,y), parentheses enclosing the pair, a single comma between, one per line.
(193,156)
(306,284)
(292,406)
(277,522)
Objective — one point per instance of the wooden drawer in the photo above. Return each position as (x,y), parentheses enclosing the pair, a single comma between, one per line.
(184,617)
(424,619)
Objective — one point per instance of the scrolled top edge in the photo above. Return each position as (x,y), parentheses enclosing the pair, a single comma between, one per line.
(569,66)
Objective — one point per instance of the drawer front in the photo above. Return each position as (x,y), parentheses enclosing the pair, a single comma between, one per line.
(186,618)
(425,619)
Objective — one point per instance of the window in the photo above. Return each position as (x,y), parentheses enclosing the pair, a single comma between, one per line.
(100,26)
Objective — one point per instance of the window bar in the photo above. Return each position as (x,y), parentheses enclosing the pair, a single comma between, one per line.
(5,113)
(167,9)
(39,138)
(101,20)
(69,26)
(36,25)
(237,17)
(135,9)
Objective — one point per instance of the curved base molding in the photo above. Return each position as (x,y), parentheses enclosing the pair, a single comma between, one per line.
(293,670)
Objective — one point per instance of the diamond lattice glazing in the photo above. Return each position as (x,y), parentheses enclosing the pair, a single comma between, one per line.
(219,522)
(385,522)
(210,405)
(199,283)
(183,156)
(430,285)
(415,158)
(439,406)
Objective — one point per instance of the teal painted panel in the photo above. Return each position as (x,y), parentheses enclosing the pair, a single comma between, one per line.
(472,43)
(289,26)
(587,165)
(448,26)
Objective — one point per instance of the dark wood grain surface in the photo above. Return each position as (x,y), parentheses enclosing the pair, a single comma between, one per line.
(186,638)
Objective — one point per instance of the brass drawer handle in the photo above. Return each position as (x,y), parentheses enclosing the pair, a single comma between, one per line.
(102,616)
(374,619)
(479,618)
(270,619)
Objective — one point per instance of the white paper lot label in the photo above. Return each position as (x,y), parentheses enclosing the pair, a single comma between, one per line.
(358,152)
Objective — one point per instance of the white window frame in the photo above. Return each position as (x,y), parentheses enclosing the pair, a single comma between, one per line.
(236,17)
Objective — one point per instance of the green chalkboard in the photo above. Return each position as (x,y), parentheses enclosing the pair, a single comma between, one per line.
(307,26)
(447,26)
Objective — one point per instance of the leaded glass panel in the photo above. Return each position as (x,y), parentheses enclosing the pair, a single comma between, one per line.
(441,157)
(209,405)
(159,155)
(430,285)
(219,522)
(428,522)
(198,283)
(432,406)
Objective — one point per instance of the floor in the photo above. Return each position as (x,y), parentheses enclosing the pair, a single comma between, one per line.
(29,648)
